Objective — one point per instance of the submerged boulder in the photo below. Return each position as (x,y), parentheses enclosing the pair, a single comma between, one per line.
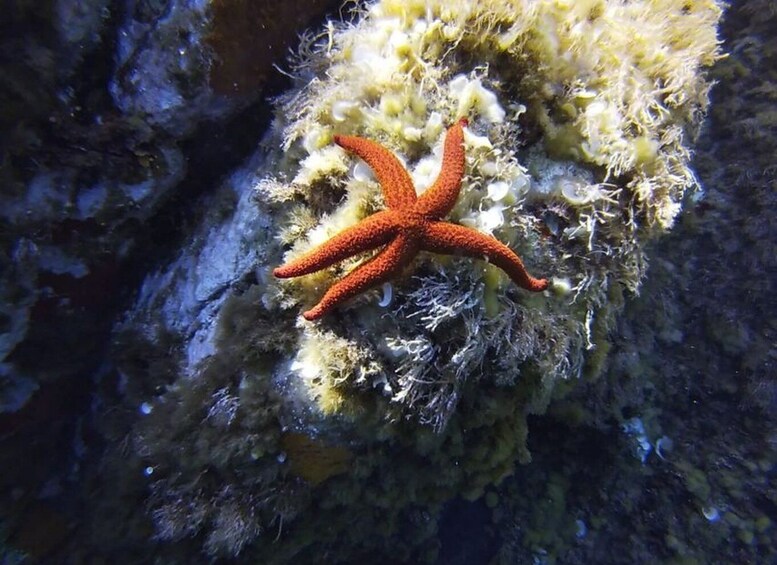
(577,155)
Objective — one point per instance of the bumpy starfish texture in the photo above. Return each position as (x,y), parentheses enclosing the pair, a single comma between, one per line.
(409,225)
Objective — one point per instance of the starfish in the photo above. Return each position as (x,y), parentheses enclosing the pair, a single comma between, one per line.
(410,224)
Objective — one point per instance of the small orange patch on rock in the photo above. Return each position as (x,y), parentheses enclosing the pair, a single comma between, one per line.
(313,460)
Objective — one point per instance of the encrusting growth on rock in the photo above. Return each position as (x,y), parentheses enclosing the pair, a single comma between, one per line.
(409,225)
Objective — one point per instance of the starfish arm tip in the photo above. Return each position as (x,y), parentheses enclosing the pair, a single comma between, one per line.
(311,315)
(283,272)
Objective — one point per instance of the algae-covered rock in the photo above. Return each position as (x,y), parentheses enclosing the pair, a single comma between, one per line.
(580,117)
(575,159)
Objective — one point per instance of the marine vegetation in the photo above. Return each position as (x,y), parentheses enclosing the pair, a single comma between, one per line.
(576,156)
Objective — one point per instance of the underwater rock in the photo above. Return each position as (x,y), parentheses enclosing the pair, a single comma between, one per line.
(180,63)
(77,180)
(161,68)
(89,172)
(577,156)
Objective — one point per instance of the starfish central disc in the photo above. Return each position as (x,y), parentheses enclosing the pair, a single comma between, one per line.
(409,224)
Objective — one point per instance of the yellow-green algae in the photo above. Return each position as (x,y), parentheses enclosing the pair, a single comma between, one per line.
(577,153)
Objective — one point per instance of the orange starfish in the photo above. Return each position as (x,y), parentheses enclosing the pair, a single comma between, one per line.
(409,225)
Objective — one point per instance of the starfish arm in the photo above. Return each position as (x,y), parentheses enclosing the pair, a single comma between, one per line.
(394,180)
(453,239)
(386,264)
(372,232)
(439,199)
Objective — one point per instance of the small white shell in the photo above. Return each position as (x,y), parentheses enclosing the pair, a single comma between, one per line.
(711,513)
(581,530)
(491,219)
(341,109)
(362,171)
(664,445)
(497,190)
(388,294)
